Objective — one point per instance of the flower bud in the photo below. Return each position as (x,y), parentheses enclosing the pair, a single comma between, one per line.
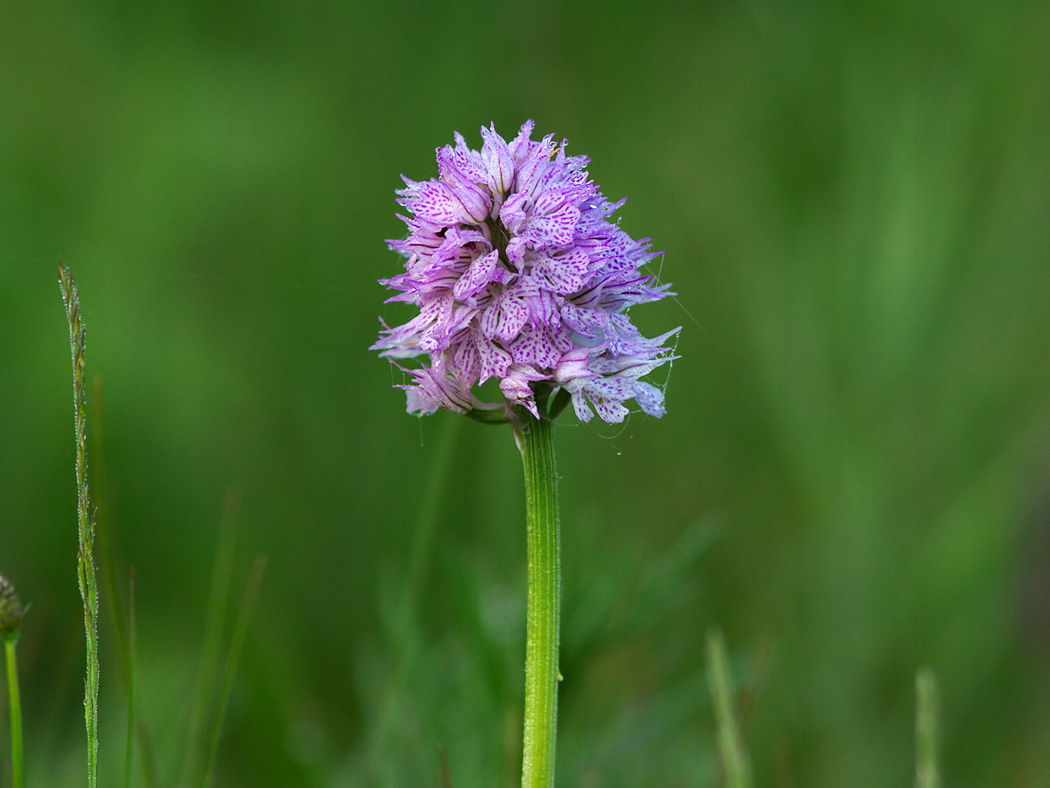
(11,609)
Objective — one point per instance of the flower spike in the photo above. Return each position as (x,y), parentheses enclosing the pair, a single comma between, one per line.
(519,276)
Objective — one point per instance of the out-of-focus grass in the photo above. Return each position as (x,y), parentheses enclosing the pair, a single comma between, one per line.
(854,202)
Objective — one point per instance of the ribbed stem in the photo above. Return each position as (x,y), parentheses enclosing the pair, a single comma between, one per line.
(544,603)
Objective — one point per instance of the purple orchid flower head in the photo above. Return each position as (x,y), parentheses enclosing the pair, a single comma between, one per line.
(520,277)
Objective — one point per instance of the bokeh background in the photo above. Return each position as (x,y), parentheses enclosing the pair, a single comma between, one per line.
(852,480)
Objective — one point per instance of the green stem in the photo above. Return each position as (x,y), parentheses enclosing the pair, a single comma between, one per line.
(730,742)
(544,603)
(926,773)
(129,647)
(15,702)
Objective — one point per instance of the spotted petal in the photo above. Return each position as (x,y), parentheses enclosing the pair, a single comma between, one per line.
(519,275)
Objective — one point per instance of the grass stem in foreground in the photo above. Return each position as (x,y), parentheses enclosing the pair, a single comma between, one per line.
(85,521)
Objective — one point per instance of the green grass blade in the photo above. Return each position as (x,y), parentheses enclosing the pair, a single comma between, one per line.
(730,742)
(107,563)
(926,733)
(211,651)
(405,627)
(240,631)
(110,586)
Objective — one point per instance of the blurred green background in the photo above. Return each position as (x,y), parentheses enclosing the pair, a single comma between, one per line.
(852,480)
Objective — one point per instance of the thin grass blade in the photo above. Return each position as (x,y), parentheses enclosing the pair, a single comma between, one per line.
(730,743)
(211,651)
(240,631)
